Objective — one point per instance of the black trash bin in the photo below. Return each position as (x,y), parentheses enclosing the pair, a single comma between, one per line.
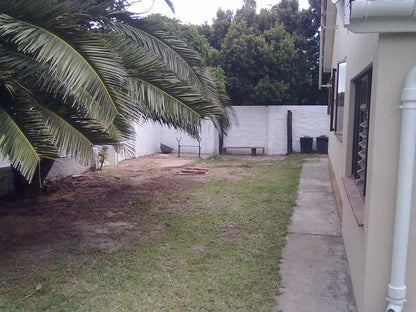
(322,145)
(306,145)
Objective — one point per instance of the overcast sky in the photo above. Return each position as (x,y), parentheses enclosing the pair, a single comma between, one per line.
(200,11)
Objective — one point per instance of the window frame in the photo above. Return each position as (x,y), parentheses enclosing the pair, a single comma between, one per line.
(340,75)
(331,100)
(358,99)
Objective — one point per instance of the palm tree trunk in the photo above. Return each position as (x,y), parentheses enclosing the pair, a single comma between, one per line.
(23,187)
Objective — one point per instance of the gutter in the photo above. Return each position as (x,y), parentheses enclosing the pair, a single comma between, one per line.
(381,16)
(325,29)
(366,9)
(393,16)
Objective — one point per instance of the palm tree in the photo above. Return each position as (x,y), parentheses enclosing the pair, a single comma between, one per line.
(73,75)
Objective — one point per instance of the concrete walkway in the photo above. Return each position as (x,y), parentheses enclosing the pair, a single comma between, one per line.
(315,274)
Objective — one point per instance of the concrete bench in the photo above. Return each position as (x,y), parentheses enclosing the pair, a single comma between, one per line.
(253,149)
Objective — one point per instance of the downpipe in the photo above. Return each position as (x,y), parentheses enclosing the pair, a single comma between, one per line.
(396,293)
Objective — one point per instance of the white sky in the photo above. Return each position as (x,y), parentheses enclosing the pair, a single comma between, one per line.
(200,11)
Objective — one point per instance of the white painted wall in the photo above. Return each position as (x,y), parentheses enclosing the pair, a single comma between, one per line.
(6,180)
(65,167)
(149,136)
(266,126)
(6,177)
(250,126)
(307,120)
(263,126)
(4,162)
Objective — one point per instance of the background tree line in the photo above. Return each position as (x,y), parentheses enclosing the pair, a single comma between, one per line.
(266,58)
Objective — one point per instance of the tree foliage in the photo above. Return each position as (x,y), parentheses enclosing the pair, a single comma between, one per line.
(269,57)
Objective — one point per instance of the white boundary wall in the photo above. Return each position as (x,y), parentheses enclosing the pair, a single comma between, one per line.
(4,162)
(266,126)
(150,135)
(263,126)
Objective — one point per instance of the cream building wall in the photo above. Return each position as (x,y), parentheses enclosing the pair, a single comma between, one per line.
(396,56)
(369,247)
(357,51)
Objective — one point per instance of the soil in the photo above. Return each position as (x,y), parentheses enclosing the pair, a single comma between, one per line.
(99,209)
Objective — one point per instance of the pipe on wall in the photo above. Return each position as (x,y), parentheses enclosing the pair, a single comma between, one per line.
(396,293)
(321,43)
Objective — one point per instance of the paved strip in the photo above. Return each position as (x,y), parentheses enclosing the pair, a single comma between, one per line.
(314,270)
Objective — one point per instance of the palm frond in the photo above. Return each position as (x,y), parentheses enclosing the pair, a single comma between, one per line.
(172,51)
(41,76)
(24,139)
(17,146)
(170,5)
(66,137)
(84,121)
(161,92)
(159,106)
(75,135)
(73,66)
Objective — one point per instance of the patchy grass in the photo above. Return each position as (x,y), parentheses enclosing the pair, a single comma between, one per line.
(218,249)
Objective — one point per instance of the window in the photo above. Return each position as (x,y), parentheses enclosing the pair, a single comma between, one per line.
(340,95)
(331,100)
(361,126)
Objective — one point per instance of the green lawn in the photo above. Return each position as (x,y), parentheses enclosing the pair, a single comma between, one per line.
(219,250)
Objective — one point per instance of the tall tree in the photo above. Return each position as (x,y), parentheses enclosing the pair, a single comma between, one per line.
(73,75)
(217,32)
(271,57)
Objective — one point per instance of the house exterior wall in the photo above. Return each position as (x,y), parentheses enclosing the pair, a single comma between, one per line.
(358,51)
(369,248)
(385,126)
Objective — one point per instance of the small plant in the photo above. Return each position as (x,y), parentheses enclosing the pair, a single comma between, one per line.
(102,156)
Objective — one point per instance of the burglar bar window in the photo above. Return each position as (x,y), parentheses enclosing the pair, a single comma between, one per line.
(361,126)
